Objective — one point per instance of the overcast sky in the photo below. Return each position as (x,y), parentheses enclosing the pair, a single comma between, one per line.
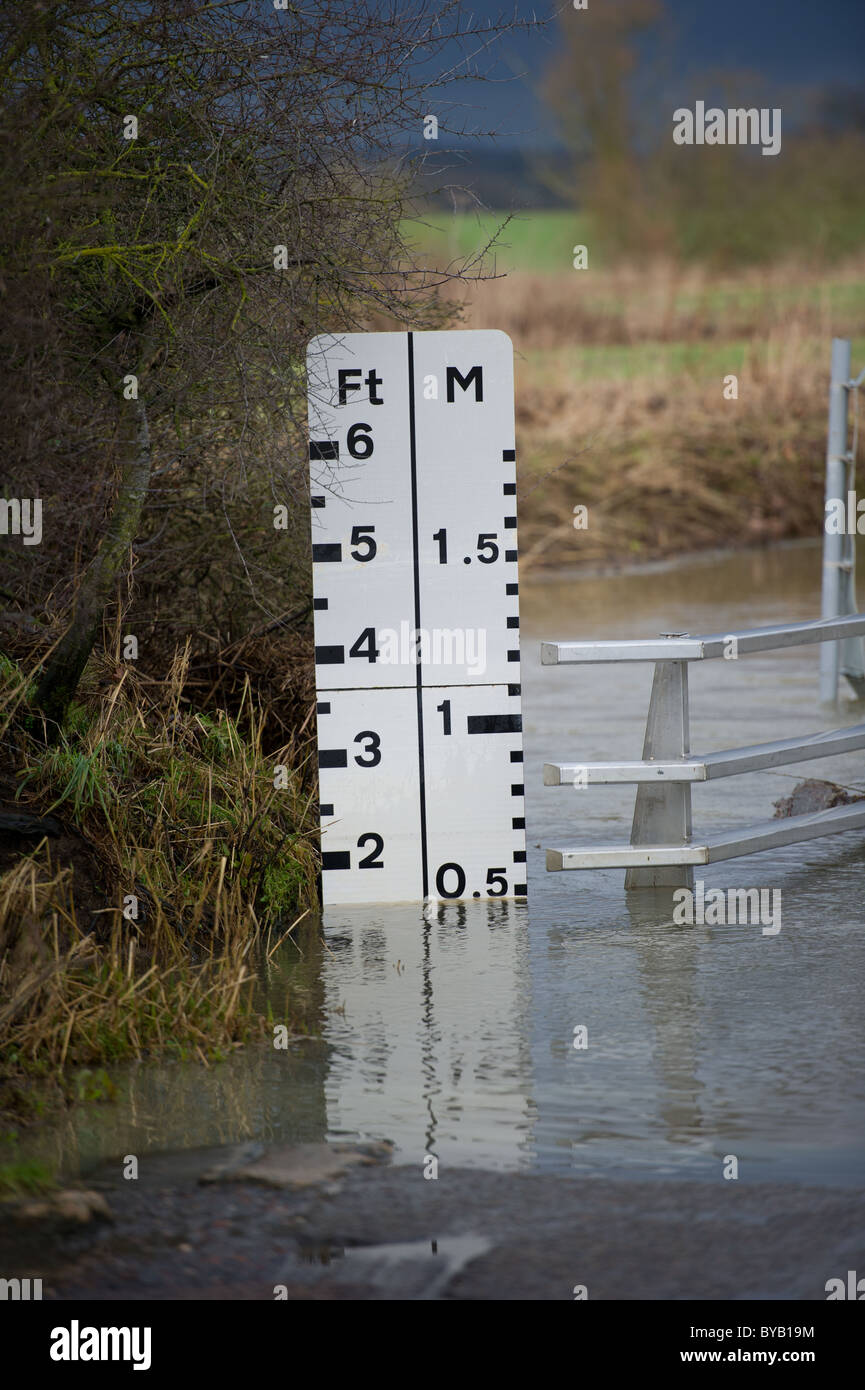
(790,44)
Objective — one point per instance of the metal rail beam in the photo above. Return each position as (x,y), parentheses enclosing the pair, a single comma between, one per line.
(706,647)
(752,839)
(706,767)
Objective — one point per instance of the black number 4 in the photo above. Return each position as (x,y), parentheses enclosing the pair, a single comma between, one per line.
(365,645)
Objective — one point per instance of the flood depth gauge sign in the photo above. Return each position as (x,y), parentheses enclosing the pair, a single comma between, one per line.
(414,549)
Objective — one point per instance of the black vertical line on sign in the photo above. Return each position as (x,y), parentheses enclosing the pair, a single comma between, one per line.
(418,667)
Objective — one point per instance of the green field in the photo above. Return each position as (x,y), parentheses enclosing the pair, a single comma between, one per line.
(540,241)
(626,361)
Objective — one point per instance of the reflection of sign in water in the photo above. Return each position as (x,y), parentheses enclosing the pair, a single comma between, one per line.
(427,1017)
(416,616)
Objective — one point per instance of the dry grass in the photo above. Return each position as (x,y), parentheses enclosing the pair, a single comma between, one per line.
(177,810)
(666,301)
(73,1000)
(621,407)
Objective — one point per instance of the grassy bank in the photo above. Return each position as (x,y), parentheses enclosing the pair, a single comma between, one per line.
(168,844)
(623,403)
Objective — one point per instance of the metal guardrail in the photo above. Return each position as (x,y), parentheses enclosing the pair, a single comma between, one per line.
(662,852)
(845,658)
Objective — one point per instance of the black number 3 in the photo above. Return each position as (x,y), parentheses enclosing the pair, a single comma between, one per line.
(373,755)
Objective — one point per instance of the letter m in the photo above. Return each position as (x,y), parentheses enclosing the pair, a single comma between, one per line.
(119,1340)
(743,127)
(745,903)
(449,646)
(476,375)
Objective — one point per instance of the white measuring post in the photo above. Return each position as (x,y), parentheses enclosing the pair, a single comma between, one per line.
(415,592)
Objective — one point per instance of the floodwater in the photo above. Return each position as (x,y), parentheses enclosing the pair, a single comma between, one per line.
(452,1034)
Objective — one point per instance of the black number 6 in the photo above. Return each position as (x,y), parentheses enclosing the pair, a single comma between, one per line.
(359,441)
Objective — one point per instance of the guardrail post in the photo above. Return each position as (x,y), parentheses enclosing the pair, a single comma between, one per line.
(839,551)
(662,814)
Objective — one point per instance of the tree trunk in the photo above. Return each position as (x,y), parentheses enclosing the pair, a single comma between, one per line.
(65,666)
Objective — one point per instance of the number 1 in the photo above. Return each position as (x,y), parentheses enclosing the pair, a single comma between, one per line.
(444,709)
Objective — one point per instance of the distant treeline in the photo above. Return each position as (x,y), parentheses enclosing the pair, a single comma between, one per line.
(462,177)
(644,194)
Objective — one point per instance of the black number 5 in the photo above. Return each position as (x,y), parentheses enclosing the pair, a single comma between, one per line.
(497,877)
(487,543)
(362,535)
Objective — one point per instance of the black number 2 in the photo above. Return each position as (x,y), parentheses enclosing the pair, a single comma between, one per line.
(371,861)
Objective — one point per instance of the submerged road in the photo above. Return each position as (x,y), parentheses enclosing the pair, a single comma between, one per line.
(382,1232)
